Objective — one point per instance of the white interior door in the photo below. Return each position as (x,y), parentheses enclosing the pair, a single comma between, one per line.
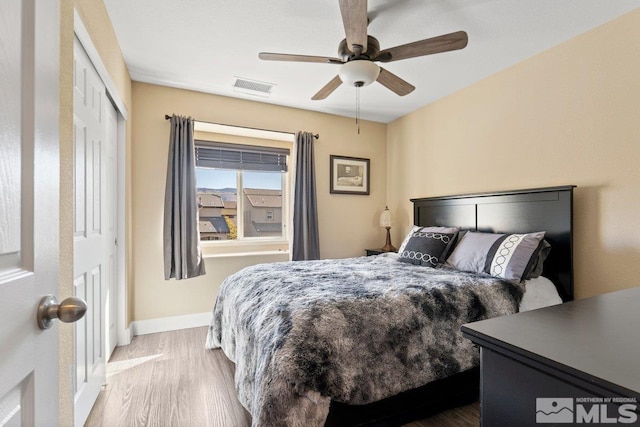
(95,138)
(29,200)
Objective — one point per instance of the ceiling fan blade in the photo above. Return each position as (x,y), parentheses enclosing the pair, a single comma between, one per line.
(354,18)
(444,43)
(327,89)
(268,56)
(394,83)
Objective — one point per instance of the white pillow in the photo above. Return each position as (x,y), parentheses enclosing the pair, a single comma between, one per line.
(539,292)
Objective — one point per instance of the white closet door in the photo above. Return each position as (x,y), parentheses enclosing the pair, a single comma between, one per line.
(94,228)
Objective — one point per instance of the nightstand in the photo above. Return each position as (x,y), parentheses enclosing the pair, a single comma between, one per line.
(371,252)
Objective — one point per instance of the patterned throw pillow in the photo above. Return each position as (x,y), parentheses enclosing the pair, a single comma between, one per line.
(501,255)
(446,230)
(426,245)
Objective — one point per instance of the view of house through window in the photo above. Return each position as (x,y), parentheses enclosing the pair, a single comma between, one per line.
(237,202)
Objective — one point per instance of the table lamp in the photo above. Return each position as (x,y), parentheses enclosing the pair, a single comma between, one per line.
(385,221)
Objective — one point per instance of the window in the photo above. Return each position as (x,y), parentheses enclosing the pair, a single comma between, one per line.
(241,191)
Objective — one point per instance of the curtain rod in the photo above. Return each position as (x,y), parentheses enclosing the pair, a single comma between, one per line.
(316,136)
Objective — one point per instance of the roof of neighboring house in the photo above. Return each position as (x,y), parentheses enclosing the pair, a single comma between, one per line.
(260,198)
(209,212)
(267,227)
(209,200)
(216,224)
(261,192)
(230,204)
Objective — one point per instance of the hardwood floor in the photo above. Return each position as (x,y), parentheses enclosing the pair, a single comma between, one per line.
(170,379)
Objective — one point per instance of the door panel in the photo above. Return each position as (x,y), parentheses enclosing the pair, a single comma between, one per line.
(10,149)
(79,285)
(79,214)
(29,197)
(16,407)
(96,346)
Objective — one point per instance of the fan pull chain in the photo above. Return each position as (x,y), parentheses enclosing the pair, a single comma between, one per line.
(358,108)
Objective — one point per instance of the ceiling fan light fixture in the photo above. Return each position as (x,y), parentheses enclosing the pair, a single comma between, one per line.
(359,72)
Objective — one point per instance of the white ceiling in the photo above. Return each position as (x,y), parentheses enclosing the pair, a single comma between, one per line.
(204,44)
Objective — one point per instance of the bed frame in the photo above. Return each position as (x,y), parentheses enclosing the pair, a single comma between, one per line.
(520,211)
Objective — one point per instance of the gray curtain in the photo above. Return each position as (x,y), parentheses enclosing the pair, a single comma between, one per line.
(305,243)
(182,256)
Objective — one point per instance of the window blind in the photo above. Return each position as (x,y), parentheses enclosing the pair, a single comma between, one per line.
(222,155)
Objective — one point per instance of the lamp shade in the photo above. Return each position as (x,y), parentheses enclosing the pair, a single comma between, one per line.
(385,218)
(359,71)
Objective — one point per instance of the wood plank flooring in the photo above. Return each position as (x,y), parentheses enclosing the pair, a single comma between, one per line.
(170,379)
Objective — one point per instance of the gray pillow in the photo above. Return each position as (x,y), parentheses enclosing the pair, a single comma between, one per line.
(501,255)
(534,269)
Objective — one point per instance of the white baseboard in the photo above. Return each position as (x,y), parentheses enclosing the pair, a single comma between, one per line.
(163,324)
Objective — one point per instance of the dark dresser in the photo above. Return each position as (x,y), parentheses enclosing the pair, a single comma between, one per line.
(577,362)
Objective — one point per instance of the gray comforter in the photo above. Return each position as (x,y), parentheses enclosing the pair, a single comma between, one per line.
(352,330)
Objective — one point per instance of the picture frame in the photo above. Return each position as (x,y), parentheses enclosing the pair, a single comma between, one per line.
(349,175)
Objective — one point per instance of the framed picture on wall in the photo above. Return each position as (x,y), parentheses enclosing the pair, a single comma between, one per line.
(349,175)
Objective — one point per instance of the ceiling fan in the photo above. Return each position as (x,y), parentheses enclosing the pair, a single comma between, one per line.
(359,52)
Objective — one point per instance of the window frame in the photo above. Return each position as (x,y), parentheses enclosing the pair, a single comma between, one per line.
(253,244)
(285,212)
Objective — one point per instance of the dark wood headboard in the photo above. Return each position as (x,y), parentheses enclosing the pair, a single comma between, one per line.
(519,211)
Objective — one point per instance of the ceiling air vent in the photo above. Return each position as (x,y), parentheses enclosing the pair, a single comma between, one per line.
(252,87)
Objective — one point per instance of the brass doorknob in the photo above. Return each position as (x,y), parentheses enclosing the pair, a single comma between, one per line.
(68,311)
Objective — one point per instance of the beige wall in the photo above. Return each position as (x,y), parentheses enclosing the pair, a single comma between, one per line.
(570,115)
(348,224)
(96,20)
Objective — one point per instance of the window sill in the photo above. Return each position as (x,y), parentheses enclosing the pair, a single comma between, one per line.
(245,248)
(244,254)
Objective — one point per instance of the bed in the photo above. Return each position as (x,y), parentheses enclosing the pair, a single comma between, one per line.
(370,340)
